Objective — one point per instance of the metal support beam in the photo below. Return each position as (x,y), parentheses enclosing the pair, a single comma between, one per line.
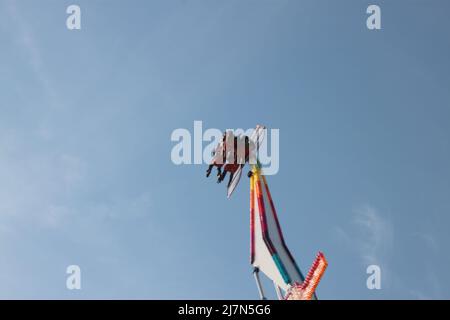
(258,283)
(278,291)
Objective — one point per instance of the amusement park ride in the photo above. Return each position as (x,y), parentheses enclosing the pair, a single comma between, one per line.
(268,250)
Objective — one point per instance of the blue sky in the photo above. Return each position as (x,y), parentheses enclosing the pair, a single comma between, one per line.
(85,124)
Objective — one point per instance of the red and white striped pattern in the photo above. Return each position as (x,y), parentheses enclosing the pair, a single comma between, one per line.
(306,289)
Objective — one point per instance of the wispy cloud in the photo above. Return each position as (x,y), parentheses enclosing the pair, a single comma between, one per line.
(432,288)
(34,184)
(429,239)
(370,234)
(39,189)
(375,235)
(25,38)
(48,203)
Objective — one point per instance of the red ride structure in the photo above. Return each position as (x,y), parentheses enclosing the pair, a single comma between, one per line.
(269,253)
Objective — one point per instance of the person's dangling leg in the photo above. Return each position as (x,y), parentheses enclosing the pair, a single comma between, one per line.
(222,176)
(208,171)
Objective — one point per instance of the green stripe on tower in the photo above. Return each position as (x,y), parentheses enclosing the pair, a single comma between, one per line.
(281,268)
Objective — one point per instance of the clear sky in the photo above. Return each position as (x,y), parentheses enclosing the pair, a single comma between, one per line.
(86,117)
